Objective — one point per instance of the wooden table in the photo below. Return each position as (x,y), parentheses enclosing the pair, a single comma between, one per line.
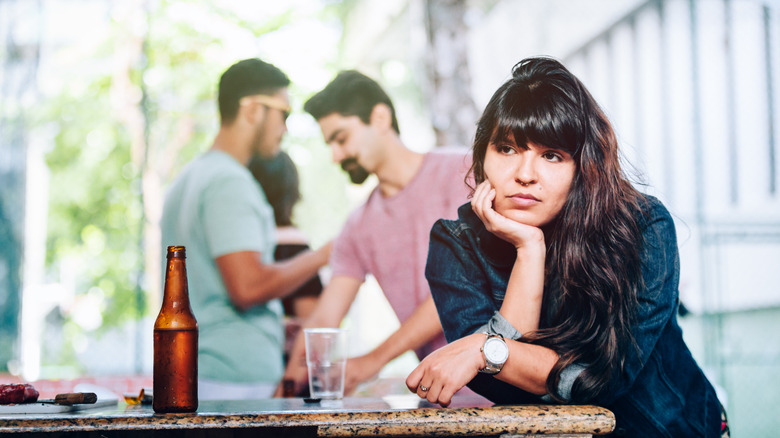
(293,417)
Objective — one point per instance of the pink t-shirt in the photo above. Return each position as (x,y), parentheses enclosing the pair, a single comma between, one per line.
(388,237)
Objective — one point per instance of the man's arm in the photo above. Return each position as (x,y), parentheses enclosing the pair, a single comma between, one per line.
(332,305)
(413,333)
(250,282)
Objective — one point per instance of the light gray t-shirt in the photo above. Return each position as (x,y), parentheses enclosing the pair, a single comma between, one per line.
(215,207)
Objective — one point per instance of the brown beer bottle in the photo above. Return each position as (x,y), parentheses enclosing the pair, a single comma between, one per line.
(175,342)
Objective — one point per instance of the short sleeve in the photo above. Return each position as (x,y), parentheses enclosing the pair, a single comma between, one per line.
(345,255)
(237,218)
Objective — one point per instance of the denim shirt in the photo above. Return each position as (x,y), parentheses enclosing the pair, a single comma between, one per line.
(661,392)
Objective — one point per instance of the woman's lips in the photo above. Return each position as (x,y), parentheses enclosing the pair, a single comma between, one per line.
(523,200)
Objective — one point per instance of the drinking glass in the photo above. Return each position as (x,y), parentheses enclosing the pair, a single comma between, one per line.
(326,358)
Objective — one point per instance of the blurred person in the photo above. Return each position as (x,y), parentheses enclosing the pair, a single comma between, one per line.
(219,213)
(558,283)
(278,177)
(388,235)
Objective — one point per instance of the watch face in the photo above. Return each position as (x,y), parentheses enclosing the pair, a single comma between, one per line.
(496,351)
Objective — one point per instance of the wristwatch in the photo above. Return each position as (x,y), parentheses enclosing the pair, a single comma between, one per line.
(495,352)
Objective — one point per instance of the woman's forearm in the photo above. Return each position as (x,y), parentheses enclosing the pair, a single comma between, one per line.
(523,300)
(528,366)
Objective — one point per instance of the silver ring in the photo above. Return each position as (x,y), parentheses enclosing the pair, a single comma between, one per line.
(423,388)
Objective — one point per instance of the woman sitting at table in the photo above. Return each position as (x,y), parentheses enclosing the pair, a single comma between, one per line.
(559,281)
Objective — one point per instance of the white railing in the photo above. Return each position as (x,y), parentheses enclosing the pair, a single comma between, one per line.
(690,87)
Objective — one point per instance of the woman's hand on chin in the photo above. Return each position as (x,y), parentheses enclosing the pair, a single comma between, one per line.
(518,234)
(442,373)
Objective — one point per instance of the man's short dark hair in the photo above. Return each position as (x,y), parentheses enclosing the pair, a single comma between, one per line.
(246,78)
(350,93)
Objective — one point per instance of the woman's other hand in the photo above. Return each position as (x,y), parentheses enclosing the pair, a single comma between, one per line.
(445,371)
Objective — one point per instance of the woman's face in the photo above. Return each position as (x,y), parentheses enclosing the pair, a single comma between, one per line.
(532,182)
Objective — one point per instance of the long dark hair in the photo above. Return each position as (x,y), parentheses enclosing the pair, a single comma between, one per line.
(278,176)
(593,266)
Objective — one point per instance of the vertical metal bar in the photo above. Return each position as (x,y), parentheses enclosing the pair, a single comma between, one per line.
(731,104)
(698,166)
(610,96)
(639,138)
(719,317)
(698,174)
(666,134)
(770,92)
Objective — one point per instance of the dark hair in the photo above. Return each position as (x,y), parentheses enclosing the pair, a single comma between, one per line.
(593,266)
(278,177)
(246,78)
(350,93)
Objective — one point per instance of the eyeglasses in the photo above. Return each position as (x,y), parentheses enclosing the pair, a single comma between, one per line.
(268,102)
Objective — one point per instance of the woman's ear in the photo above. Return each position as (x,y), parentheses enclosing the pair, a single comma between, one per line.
(381,116)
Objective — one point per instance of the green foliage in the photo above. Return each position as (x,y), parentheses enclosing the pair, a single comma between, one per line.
(95,212)
(101,175)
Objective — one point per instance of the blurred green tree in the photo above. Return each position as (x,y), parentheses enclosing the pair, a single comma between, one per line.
(141,106)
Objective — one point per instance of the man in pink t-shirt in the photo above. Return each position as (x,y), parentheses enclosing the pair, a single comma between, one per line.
(388,236)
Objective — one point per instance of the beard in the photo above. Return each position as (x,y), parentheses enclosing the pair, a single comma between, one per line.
(261,145)
(257,143)
(357,174)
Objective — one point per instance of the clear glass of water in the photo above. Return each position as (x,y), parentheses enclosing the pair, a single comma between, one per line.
(326,358)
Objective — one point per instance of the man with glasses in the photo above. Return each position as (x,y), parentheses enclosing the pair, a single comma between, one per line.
(217,210)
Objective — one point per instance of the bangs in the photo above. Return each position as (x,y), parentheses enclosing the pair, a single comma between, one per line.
(538,115)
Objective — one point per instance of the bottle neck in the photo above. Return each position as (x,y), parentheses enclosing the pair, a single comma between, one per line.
(176,289)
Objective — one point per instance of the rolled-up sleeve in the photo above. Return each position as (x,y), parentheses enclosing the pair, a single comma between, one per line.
(566,382)
(499,325)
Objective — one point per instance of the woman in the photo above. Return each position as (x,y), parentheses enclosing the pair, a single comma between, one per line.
(278,176)
(559,282)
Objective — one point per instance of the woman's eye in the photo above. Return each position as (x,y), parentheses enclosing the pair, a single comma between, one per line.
(504,148)
(552,156)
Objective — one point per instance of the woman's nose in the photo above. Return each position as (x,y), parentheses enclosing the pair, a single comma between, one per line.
(526,171)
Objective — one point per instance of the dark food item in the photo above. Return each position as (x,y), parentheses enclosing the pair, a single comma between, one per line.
(17,393)
(73,398)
